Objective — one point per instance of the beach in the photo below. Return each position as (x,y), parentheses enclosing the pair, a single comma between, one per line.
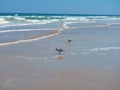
(91,61)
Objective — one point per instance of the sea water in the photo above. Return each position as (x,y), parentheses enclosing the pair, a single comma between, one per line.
(15,27)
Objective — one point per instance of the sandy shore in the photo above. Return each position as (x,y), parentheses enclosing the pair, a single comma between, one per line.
(63,79)
(35,65)
(82,79)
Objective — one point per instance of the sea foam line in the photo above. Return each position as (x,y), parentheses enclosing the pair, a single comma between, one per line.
(57,31)
(29,40)
(104,49)
(64,27)
(25,24)
(21,30)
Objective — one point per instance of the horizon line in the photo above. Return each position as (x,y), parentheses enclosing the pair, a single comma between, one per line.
(69,14)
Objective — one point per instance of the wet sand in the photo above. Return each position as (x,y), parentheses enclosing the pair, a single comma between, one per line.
(36,66)
(83,79)
(68,79)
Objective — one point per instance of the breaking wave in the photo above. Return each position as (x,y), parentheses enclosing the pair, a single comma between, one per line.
(21,23)
(47,19)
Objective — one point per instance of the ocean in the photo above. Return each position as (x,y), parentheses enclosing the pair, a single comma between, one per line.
(29,60)
(16,27)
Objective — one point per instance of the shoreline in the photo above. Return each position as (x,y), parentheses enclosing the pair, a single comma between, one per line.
(90,63)
(52,33)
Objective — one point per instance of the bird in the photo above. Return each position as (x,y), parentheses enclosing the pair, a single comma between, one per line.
(59,51)
(69,40)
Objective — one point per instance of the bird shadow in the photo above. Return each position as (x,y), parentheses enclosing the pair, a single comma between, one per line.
(59,57)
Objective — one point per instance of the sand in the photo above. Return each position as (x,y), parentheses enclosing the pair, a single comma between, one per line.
(35,65)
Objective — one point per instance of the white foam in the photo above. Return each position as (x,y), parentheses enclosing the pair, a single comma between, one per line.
(3,21)
(87,19)
(12,24)
(28,40)
(21,30)
(77,19)
(104,49)
(39,21)
(24,24)
(65,25)
(19,18)
(6,21)
(71,18)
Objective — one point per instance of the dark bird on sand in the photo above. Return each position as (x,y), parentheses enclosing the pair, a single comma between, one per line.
(59,51)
